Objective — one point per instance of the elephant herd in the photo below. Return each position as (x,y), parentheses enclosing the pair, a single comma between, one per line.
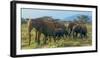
(56,30)
(77,30)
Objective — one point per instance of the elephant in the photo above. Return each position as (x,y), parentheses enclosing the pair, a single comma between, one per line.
(70,27)
(48,28)
(80,29)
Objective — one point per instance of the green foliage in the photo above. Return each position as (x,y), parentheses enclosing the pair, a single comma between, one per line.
(83,18)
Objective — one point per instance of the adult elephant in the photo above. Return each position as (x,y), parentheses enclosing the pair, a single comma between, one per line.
(70,27)
(46,27)
(81,30)
(35,23)
(54,29)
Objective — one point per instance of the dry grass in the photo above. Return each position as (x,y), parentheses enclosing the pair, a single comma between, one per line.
(63,42)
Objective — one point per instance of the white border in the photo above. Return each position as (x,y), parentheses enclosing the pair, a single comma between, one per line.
(51,50)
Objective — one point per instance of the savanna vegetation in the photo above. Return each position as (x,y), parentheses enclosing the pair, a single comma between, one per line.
(68,41)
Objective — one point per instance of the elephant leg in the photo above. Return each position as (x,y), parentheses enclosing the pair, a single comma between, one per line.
(29,34)
(54,38)
(76,35)
(86,35)
(73,34)
(81,35)
(38,37)
(29,38)
(66,34)
(70,33)
(50,38)
(45,39)
(29,26)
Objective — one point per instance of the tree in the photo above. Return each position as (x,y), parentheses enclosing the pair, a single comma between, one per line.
(83,18)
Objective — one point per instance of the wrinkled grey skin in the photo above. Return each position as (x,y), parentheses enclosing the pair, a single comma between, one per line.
(80,30)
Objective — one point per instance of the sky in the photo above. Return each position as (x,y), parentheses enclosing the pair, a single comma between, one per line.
(56,14)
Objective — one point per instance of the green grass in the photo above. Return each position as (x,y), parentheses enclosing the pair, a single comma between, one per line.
(63,42)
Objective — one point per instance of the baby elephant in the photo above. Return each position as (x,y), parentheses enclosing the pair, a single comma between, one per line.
(60,32)
(81,30)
